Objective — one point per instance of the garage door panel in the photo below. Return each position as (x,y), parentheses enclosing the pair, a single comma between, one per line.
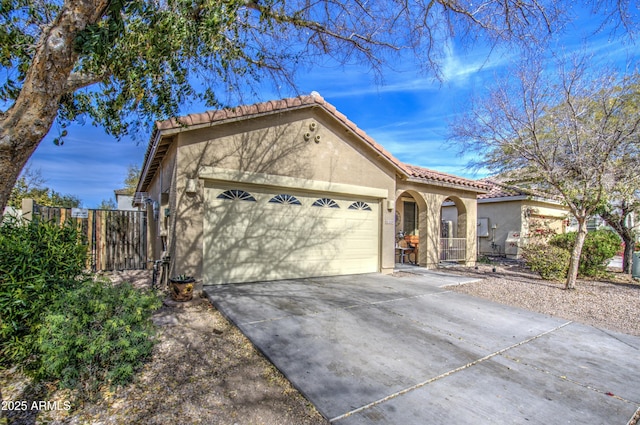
(252,272)
(261,240)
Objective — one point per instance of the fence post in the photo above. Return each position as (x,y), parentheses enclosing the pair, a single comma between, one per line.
(27,209)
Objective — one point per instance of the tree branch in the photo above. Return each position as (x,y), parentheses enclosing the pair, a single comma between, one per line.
(79,80)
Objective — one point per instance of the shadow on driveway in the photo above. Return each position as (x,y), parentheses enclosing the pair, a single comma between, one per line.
(388,350)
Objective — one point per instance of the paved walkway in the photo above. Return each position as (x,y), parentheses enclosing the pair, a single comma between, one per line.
(373,349)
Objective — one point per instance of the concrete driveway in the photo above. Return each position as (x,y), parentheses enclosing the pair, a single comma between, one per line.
(374,349)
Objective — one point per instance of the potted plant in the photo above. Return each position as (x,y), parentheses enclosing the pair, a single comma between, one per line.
(181,287)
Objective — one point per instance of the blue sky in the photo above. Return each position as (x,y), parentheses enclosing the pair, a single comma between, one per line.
(408,114)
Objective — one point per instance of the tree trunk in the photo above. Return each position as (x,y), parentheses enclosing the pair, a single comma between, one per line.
(627,258)
(618,222)
(574,263)
(28,120)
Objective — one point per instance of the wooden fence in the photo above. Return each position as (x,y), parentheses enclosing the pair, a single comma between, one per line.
(116,240)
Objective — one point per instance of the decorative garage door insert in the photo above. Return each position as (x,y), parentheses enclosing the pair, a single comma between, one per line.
(255,234)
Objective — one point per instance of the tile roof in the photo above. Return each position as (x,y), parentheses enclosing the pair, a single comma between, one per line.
(499,189)
(432,175)
(306,101)
(242,111)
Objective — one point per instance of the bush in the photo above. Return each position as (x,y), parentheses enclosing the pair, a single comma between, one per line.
(96,334)
(38,262)
(551,262)
(599,247)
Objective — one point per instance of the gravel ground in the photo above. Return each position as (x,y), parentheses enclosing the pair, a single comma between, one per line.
(611,303)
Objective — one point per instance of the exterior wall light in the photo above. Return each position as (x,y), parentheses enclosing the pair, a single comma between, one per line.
(192,186)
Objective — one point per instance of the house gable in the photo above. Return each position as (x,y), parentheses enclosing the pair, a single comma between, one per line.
(249,116)
(303,143)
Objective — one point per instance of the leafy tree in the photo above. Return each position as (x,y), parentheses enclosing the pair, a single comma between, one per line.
(623,209)
(108,204)
(568,133)
(121,63)
(131,181)
(31,185)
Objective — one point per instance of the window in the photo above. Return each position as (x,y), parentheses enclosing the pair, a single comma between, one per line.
(359,205)
(285,200)
(325,203)
(235,194)
(410,216)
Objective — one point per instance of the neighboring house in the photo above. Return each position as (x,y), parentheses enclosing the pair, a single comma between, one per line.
(289,189)
(598,223)
(124,200)
(508,215)
(593,223)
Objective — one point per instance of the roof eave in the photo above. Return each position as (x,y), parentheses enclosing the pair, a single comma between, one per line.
(520,198)
(151,158)
(434,182)
(164,130)
(503,199)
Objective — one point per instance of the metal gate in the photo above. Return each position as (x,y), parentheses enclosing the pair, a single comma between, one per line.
(453,249)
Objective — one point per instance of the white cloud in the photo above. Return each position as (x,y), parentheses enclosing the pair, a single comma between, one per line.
(458,69)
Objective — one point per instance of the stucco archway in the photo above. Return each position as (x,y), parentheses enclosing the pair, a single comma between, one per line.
(431,209)
(454,231)
(412,223)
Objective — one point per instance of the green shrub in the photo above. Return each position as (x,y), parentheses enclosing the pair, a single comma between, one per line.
(38,262)
(551,262)
(95,335)
(483,259)
(599,247)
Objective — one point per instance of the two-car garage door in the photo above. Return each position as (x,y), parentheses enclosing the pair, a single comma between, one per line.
(256,234)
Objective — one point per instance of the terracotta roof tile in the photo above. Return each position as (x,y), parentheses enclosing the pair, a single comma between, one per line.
(499,189)
(240,112)
(428,174)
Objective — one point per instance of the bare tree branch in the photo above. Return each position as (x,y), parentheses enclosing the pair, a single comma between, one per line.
(570,132)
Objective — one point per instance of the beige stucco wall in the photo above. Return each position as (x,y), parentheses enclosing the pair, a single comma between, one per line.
(551,217)
(512,216)
(507,217)
(274,144)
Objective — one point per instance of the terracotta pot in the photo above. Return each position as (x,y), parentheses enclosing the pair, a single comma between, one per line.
(181,290)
